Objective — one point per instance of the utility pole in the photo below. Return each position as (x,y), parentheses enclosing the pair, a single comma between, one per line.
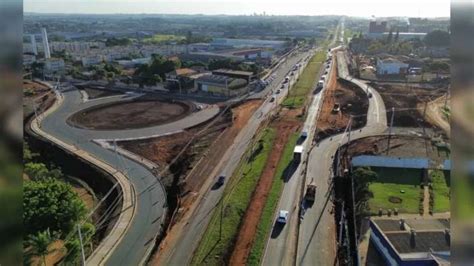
(83,255)
(390,129)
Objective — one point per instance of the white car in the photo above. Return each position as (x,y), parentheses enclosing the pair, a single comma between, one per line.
(283,216)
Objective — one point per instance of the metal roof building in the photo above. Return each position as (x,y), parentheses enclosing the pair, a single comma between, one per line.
(391,162)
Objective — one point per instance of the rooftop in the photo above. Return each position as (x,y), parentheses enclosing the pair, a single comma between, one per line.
(393,162)
(232,72)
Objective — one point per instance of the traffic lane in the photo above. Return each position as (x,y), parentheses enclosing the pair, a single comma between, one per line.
(145,221)
(281,240)
(187,243)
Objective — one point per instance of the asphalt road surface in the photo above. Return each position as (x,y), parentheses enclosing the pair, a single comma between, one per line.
(316,241)
(281,246)
(151,196)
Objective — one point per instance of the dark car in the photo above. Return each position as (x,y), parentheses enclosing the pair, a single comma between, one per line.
(220,180)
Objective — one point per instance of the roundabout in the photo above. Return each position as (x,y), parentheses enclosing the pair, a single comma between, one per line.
(131,114)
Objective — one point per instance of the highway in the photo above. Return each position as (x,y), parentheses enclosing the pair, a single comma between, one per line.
(316,240)
(188,232)
(281,245)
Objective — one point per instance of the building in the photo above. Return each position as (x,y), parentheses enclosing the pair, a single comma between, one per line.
(401,35)
(411,241)
(391,66)
(91,60)
(47,51)
(376,27)
(54,65)
(246,75)
(220,85)
(28,59)
(181,78)
(250,43)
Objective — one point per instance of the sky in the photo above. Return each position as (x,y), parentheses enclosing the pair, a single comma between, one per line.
(364,8)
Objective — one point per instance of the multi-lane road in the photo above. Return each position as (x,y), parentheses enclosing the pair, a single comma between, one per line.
(189,231)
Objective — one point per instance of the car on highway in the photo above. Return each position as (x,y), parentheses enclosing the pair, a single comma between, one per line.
(272,99)
(336,108)
(320,84)
(277,91)
(282,86)
(323,77)
(370,95)
(283,217)
(220,180)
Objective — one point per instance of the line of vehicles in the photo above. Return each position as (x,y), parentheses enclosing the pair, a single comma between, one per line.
(310,194)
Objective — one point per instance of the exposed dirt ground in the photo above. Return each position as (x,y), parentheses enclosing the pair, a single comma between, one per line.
(352,101)
(163,150)
(96,93)
(400,146)
(204,164)
(134,114)
(285,126)
(407,101)
(36,95)
(435,115)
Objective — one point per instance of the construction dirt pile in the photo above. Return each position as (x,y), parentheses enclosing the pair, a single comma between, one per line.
(409,101)
(349,99)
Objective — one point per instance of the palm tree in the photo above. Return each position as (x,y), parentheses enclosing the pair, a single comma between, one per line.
(38,245)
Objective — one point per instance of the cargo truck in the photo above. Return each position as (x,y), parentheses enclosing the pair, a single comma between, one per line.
(310,193)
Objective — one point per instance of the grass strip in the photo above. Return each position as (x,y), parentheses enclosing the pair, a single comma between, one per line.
(441,191)
(265,224)
(215,243)
(298,94)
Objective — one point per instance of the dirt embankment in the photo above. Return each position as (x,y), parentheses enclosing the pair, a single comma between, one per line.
(201,156)
(400,146)
(200,168)
(99,93)
(409,102)
(130,115)
(36,96)
(352,101)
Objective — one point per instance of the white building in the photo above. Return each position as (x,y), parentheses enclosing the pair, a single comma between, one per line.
(54,65)
(28,59)
(391,66)
(47,52)
(91,60)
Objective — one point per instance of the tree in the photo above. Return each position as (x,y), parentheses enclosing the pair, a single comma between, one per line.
(437,38)
(51,204)
(38,246)
(363,177)
(39,171)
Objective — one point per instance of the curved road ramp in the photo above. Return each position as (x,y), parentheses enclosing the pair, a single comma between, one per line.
(132,237)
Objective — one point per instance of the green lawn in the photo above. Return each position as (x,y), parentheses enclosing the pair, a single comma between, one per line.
(265,225)
(389,184)
(441,192)
(298,94)
(213,247)
(383,191)
(161,38)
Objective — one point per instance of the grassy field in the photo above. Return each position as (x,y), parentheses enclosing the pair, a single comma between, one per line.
(265,224)
(383,191)
(214,246)
(162,38)
(298,94)
(441,192)
(390,183)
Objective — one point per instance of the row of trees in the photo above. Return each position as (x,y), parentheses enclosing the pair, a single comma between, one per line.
(52,210)
(151,74)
